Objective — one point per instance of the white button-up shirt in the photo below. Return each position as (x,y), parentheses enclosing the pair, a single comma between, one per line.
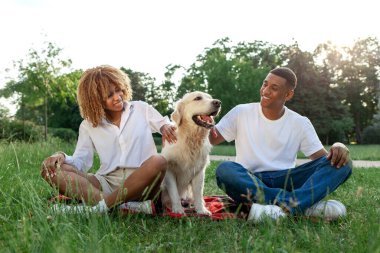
(127,146)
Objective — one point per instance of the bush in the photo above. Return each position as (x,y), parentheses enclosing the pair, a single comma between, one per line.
(19,130)
(66,134)
(16,130)
(371,134)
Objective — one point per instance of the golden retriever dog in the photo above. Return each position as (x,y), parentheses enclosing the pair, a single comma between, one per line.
(189,156)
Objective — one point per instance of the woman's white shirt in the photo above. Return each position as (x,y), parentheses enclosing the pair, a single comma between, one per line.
(126,146)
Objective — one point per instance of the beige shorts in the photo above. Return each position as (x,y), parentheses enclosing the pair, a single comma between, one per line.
(113,180)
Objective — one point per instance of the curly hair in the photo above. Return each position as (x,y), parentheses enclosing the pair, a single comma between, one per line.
(94,88)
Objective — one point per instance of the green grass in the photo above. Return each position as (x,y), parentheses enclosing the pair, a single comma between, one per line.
(227,150)
(357,152)
(27,225)
(360,152)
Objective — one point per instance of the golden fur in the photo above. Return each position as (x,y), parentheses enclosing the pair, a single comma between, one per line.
(93,90)
(189,156)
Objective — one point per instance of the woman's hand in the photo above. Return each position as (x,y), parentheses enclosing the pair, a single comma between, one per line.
(51,164)
(168,133)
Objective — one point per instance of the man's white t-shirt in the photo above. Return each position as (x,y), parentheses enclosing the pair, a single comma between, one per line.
(127,146)
(268,145)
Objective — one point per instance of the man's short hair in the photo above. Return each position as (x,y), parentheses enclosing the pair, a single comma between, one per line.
(287,74)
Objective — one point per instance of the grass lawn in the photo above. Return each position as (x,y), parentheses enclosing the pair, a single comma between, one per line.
(27,225)
(357,152)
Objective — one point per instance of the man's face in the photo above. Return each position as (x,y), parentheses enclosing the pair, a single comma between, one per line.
(274,92)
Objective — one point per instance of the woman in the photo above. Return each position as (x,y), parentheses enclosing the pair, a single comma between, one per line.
(120,131)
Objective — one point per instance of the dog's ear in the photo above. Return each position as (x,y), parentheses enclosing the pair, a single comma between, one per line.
(176,116)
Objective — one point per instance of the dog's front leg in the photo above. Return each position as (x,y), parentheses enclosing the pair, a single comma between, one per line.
(197,184)
(171,186)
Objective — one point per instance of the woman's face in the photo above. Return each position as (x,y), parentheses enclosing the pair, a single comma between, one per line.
(114,101)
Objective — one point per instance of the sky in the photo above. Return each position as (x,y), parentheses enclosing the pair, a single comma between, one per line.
(148,35)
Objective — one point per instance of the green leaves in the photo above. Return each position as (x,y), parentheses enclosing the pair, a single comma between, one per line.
(353,71)
(232,73)
(39,80)
(338,88)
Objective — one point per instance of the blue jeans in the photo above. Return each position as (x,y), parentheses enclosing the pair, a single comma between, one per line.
(296,189)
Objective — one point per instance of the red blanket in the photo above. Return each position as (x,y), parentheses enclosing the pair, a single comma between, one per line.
(220,206)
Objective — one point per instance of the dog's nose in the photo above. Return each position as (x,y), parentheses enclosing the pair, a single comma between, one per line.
(216,103)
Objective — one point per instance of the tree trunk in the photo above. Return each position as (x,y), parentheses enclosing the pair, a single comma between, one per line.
(358,130)
(23,117)
(46,112)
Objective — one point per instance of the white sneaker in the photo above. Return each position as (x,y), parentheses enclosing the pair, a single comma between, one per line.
(329,210)
(146,207)
(259,212)
(63,209)
(101,207)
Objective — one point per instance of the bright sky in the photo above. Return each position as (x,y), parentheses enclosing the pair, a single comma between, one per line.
(147,35)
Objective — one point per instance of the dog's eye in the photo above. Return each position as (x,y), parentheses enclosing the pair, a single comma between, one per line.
(198,98)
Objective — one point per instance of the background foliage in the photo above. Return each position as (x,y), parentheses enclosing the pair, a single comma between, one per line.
(338,88)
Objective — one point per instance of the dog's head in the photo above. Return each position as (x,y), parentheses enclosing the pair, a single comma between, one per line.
(198,107)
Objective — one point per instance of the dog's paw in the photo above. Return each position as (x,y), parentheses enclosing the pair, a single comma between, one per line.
(203,211)
(178,209)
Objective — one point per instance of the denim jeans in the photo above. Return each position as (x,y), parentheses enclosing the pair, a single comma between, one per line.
(296,189)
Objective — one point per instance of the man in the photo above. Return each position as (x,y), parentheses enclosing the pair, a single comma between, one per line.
(267,137)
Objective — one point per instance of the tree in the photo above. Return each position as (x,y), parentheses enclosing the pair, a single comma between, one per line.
(355,71)
(36,80)
(137,83)
(316,99)
(64,109)
(160,96)
(4,112)
(360,79)
(168,88)
(145,89)
(232,73)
